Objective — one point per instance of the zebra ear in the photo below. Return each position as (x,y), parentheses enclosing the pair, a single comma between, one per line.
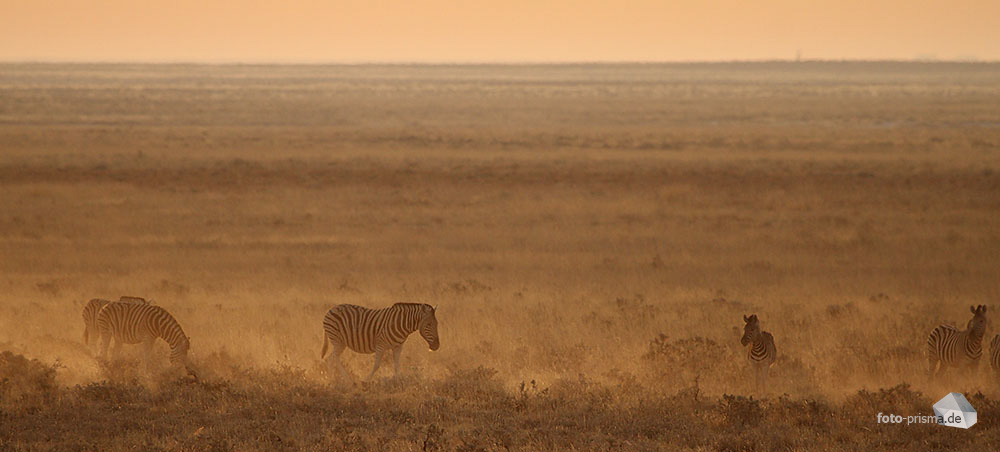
(746,319)
(434,308)
(974,309)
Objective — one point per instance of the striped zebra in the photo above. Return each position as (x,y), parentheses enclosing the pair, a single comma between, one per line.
(376,331)
(90,315)
(130,323)
(995,355)
(762,353)
(948,346)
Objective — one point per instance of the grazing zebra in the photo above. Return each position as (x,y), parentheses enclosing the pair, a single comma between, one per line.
(90,315)
(130,323)
(376,331)
(995,355)
(762,353)
(950,347)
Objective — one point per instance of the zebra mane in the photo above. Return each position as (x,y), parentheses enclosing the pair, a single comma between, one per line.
(404,305)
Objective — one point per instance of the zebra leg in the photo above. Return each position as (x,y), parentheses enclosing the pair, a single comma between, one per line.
(378,362)
(93,339)
(943,371)
(395,357)
(334,359)
(147,351)
(932,367)
(105,342)
(117,351)
(759,376)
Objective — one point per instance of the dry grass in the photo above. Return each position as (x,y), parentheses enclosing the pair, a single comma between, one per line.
(593,235)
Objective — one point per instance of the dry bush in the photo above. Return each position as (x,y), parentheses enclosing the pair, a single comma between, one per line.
(25,382)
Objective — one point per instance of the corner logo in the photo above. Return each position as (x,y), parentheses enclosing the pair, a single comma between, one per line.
(954,410)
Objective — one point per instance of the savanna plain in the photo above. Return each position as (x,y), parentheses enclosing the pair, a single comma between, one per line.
(592,235)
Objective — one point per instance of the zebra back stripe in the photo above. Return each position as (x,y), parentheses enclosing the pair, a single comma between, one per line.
(132,323)
(130,299)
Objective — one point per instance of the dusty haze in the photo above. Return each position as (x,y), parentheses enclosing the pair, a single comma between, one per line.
(593,235)
(490,31)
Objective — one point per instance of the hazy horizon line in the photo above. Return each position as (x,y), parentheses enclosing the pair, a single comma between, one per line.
(224,62)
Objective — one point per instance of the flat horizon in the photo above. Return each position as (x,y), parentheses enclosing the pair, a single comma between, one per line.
(224,62)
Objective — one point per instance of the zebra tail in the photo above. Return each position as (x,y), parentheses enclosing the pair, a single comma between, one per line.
(326,343)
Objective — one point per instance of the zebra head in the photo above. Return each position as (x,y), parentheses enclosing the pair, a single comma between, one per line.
(977,326)
(429,327)
(179,356)
(179,352)
(751,330)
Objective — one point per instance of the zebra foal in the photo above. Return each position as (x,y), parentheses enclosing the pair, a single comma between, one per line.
(948,346)
(762,353)
(130,323)
(93,307)
(376,331)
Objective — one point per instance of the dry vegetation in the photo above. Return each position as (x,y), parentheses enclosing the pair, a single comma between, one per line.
(593,235)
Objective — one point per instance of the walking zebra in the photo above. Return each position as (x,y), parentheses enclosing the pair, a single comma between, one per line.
(995,355)
(130,323)
(950,347)
(90,315)
(376,331)
(762,353)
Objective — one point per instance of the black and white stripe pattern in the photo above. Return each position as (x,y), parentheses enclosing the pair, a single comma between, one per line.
(130,323)
(377,330)
(995,355)
(762,353)
(948,346)
(90,315)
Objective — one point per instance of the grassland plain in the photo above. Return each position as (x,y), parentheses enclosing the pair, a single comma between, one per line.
(593,235)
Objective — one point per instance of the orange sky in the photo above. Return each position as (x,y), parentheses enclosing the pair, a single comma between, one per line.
(481,30)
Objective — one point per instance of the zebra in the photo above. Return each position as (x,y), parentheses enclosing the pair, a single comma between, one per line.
(995,355)
(130,323)
(951,347)
(762,353)
(90,315)
(376,331)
